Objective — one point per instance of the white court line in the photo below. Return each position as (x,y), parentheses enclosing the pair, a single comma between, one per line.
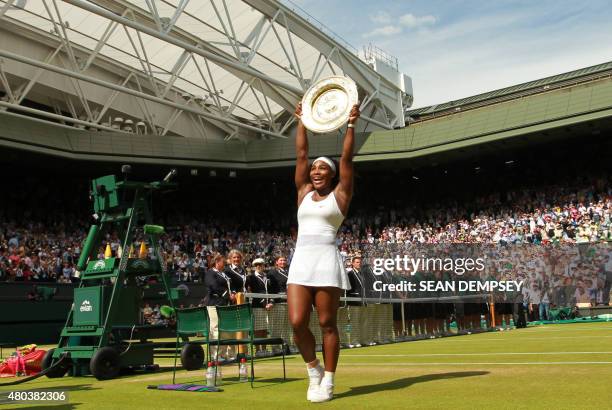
(464,363)
(548,329)
(466,354)
(518,339)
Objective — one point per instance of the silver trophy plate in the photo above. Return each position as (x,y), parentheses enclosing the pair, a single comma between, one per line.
(327,103)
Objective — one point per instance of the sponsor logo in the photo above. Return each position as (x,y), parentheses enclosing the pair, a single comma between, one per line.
(86,306)
(99,265)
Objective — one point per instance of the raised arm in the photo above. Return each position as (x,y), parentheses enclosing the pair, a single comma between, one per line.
(302,171)
(344,190)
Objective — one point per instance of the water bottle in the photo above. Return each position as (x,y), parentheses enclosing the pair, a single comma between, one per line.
(210,375)
(243,372)
(219,374)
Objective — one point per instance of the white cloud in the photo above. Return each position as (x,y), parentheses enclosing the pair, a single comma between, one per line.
(460,61)
(388,30)
(411,21)
(381,18)
(465,48)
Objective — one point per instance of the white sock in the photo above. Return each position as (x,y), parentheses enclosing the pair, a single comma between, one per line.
(313,365)
(328,379)
(314,371)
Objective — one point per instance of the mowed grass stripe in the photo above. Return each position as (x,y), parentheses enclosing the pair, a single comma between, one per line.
(473,363)
(470,354)
(559,328)
(486,345)
(574,378)
(467,339)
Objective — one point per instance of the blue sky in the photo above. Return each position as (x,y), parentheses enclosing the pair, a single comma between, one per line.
(457,48)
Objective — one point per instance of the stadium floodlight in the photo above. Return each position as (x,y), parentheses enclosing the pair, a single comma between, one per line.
(194,172)
(212,173)
(232,174)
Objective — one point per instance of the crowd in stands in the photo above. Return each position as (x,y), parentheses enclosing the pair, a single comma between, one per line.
(35,250)
(43,243)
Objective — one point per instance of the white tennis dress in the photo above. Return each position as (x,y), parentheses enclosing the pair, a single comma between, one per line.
(316,261)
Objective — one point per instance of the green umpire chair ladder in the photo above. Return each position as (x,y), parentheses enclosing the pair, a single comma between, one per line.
(239,318)
(191,322)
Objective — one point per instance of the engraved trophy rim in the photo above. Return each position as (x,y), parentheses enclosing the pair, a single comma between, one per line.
(312,96)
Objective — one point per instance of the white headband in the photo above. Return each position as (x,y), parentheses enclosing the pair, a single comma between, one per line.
(327,161)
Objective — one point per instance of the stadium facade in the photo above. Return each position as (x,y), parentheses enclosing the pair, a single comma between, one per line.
(114,81)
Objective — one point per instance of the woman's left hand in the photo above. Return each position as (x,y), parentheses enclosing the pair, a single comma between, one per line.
(354,114)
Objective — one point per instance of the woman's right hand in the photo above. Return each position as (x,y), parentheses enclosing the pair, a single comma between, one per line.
(298,111)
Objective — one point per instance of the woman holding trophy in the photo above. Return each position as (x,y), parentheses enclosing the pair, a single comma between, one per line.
(317,276)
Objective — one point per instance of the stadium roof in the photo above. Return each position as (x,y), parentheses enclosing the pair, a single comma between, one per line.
(583,108)
(69,69)
(237,66)
(512,92)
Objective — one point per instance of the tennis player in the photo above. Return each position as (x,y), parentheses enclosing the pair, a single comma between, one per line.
(317,276)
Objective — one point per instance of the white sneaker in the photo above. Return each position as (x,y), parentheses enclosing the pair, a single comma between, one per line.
(315,375)
(324,392)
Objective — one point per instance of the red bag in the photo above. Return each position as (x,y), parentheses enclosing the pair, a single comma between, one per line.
(27,362)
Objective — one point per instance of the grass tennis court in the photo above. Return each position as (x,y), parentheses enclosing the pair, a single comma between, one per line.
(553,366)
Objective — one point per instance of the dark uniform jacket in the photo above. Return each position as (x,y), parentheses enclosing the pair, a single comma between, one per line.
(219,288)
(237,277)
(280,278)
(257,283)
(358,285)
